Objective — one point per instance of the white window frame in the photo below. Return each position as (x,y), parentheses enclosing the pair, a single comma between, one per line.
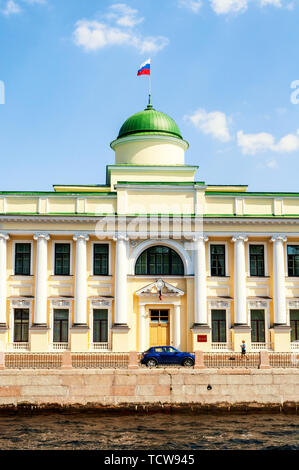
(289,242)
(216,305)
(101,276)
(64,242)
(226,258)
(65,305)
(266,274)
(266,317)
(13,304)
(14,242)
(108,307)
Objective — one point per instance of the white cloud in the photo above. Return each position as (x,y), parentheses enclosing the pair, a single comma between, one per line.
(223,7)
(124,15)
(262,142)
(214,123)
(11,8)
(272,164)
(275,3)
(93,35)
(193,5)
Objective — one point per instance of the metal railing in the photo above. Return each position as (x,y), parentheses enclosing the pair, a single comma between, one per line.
(231,359)
(33,360)
(284,360)
(100,361)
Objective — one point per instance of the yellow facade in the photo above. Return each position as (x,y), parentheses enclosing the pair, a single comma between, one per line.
(150,199)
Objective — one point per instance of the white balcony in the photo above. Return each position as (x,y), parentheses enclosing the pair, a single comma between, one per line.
(261,346)
(100,346)
(18,346)
(295,345)
(221,347)
(60,346)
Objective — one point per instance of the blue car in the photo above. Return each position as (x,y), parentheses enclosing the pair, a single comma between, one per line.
(166,355)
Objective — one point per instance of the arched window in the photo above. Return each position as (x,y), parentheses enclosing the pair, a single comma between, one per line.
(159,260)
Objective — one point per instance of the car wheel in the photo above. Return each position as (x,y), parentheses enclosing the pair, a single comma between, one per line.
(151,363)
(188,362)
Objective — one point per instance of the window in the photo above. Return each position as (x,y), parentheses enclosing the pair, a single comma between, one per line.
(159,316)
(61,326)
(257,326)
(217,260)
(257,260)
(293,260)
(294,320)
(159,260)
(100,259)
(62,259)
(21,325)
(218,326)
(100,326)
(22,259)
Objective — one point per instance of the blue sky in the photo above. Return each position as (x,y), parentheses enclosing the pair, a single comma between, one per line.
(222,69)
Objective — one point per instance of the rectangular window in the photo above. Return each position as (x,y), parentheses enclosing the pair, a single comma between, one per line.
(22,259)
(217,260)
(62,259)
(61,326)
(257,260)
(218,326)
(294,321)
(100,259)
(293,260)
(21,325)
(100,326)
(257,326)
(159,316)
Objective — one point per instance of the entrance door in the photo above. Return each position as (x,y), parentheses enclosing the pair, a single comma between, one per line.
(159,328)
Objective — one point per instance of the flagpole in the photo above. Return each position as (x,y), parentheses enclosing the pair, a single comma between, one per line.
(149,87)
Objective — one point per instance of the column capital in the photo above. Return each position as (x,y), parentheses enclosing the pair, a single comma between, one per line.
(4,236)
(41,236)
(121,236)
(278,238)
(239,237)
(200,238)
(81,236)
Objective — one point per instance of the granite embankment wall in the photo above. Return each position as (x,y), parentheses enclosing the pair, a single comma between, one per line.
(226,389)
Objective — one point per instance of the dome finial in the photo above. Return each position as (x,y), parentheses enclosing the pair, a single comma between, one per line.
(149,106)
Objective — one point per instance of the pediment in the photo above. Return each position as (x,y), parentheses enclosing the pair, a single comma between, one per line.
(160,288)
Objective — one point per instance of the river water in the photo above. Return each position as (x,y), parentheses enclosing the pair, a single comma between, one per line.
(151,431)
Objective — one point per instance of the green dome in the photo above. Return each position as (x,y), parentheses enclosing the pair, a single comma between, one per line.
(150,121)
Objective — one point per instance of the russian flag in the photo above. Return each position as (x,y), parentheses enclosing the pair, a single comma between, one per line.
(145,68)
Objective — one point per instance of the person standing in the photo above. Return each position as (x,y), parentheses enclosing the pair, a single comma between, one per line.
(243,348)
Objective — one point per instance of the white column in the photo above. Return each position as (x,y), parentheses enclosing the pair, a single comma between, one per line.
(200,281)
(177,326)
(80,280)
(3,276)
(280,313)
(142,336)
(240,279)
(41,277)
(120,317)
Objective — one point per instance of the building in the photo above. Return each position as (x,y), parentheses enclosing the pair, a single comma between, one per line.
(151,257)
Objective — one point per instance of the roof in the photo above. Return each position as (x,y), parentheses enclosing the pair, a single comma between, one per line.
(150,121)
